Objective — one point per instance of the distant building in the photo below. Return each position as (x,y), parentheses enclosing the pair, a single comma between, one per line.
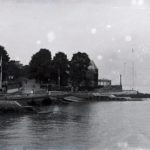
(105,85)
(92,75)
(104,82)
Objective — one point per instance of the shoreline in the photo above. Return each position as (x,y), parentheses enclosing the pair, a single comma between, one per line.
(29,103)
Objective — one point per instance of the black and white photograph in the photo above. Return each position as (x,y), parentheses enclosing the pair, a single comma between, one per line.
(74,75)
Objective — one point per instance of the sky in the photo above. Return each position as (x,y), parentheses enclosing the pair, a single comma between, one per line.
(107,30)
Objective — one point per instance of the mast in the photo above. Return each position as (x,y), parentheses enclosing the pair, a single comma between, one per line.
(124,73)
(133,74)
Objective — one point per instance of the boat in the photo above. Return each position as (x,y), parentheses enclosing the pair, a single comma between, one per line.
(73,99)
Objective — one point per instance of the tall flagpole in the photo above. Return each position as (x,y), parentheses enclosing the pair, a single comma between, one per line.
(133,70)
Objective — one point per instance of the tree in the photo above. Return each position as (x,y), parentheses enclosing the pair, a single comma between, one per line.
(78,68)
(25,71)
(60,68)
(39,65)
(5,60)
(13,70)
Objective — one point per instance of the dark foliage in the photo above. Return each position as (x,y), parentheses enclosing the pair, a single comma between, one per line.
(5,60)
(13,70)
(24,72)
(60,67)
(39,66)
(78,68)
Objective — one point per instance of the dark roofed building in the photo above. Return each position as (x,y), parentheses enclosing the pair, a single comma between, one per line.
(92,75)
(104,82)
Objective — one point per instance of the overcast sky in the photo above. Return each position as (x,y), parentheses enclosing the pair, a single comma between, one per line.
(105,29)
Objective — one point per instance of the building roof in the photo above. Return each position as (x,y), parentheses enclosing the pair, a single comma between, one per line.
(105,80)
(92,66)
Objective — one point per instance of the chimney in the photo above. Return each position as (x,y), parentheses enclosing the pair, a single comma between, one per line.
(120,80)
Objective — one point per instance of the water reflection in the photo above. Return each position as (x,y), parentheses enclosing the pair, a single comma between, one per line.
(90,126)
(60,128)
(11,131)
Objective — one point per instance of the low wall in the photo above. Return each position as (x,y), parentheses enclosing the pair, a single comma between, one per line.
(112,88)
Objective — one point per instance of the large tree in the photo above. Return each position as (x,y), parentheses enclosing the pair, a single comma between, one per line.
(13,70)
(5,59)
(39,65)
(78,68)
(60,66)
(24,72)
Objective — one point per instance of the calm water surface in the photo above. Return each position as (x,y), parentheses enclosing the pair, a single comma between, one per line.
(82,126)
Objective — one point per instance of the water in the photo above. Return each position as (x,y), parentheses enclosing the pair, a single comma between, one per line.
(80,126)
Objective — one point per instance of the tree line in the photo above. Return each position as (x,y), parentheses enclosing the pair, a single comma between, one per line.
(10,70)
(59,70)
(45,69)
